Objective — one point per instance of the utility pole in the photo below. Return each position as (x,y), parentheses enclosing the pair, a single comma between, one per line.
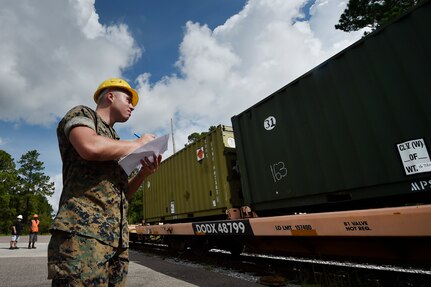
(173,140)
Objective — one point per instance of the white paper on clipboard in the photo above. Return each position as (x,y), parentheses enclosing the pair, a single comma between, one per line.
(154,147)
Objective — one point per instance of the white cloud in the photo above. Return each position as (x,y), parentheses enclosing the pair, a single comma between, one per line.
(52,53)
(50,61)
(224,71)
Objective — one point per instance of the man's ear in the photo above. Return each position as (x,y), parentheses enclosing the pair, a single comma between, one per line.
(110,96)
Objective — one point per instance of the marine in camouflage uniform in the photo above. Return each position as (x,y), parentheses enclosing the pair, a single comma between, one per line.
(93,202)
(89,242)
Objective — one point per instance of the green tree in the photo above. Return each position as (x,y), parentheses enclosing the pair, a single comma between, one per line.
(34,189)
(372,13)
(136,211)
(194,137)
(8,186)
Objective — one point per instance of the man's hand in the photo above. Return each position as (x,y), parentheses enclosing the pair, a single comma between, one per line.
(150,165)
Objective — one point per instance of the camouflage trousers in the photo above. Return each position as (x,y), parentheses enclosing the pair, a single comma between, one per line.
(74,260)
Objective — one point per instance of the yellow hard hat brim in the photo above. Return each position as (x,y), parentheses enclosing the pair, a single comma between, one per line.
(120,84)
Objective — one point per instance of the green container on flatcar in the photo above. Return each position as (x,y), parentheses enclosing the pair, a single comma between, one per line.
(353,132)
(197,182)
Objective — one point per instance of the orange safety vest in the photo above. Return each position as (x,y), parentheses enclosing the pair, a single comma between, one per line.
(34,227)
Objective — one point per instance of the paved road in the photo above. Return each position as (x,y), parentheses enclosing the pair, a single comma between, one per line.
(27,267)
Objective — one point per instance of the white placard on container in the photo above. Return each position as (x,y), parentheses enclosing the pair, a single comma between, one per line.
(415,157)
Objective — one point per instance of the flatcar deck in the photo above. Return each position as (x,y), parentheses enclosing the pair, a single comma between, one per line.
(387,222)
(392,234)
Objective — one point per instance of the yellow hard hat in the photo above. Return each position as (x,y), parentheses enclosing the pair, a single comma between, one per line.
(117,83)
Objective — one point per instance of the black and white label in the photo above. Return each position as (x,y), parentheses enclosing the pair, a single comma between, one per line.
(269,123)
(226,227)
(414,156)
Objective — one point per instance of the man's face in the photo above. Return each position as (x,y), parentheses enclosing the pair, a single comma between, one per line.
(122,106)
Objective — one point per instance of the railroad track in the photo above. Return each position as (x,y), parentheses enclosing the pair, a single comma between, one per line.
(291,271)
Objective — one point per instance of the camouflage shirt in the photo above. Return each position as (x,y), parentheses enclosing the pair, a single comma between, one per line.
(93,201)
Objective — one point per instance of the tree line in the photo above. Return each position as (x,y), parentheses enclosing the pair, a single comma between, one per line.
(24,191)
(372,13)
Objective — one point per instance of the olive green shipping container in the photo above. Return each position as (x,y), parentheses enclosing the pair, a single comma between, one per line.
(197,182)
(353,132)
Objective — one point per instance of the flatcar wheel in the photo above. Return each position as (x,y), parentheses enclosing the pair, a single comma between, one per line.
(177,245)
(236,248)
(199,247)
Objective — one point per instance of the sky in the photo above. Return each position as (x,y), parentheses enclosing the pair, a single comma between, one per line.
(196,62)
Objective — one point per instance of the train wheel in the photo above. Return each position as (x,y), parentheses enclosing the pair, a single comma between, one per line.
(177,244)
(236,248)
(200,247)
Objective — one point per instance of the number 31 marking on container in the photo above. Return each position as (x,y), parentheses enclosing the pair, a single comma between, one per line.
(269,123)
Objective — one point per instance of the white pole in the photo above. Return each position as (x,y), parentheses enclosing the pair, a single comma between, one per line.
(173,140)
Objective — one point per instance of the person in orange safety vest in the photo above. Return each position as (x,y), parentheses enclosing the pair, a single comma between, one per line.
(34,230)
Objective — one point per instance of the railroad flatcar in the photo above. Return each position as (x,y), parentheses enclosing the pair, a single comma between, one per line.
(335,164)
